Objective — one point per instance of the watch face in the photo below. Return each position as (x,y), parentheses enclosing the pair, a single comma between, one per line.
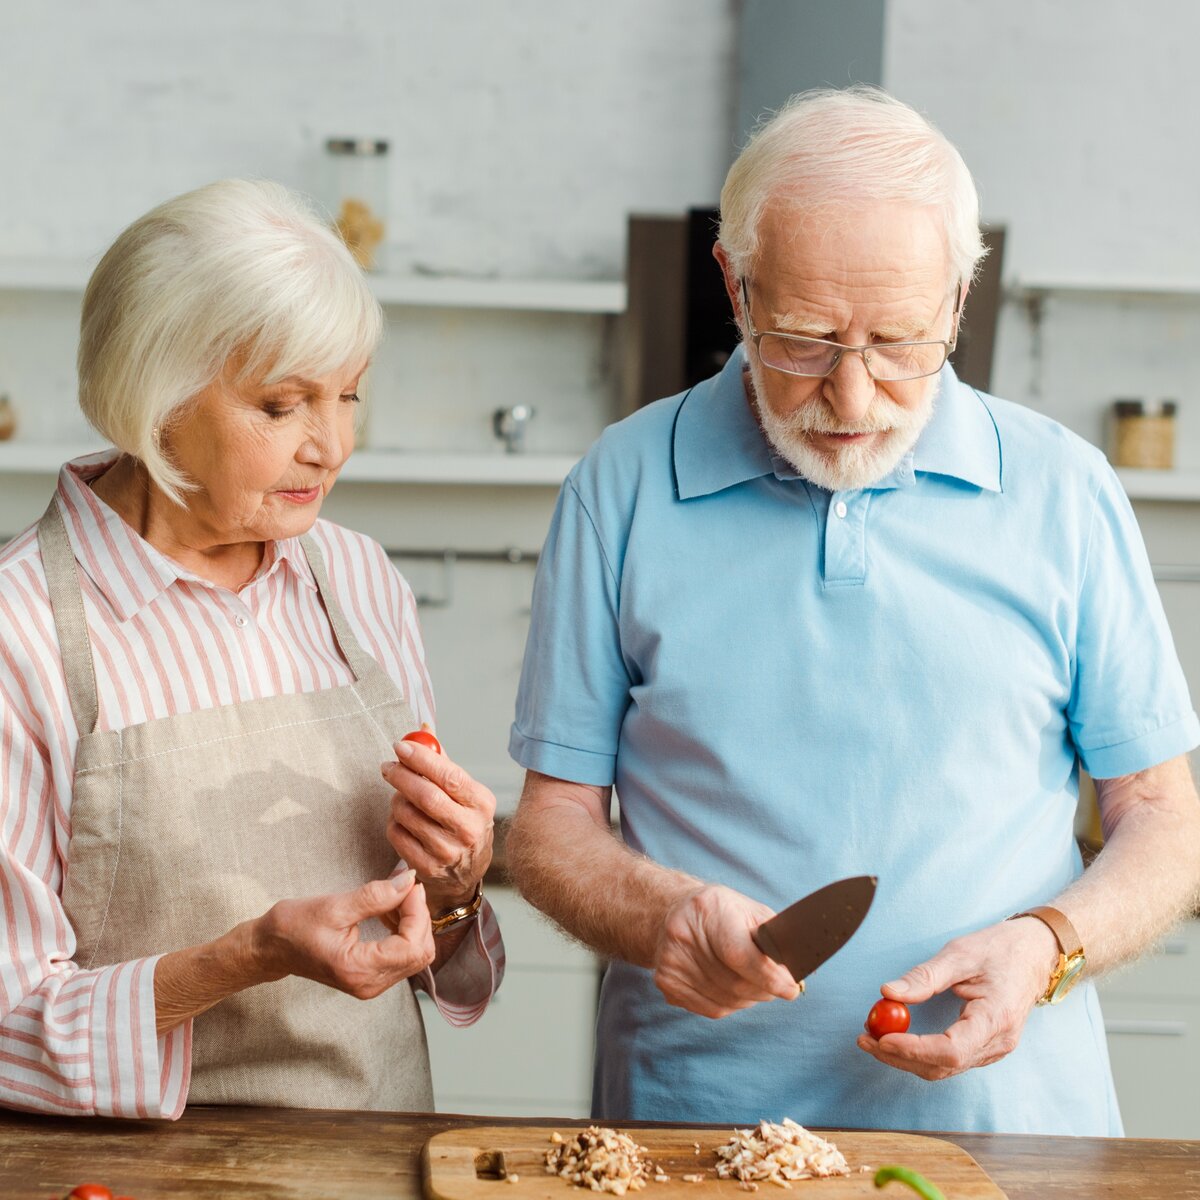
(1070,977)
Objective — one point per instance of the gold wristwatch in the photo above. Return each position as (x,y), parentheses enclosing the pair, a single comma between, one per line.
(1071,960)
(464,912)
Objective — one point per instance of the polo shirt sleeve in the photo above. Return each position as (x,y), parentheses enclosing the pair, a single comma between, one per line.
(1129,707)
(574,684)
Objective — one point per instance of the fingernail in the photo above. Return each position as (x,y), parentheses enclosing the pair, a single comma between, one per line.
(404,880)
(896,984)
(404,749)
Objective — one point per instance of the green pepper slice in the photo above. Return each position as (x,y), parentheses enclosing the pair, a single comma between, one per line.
(912,1179)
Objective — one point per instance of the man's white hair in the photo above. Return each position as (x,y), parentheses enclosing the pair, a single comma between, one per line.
(239,272)
(831,147)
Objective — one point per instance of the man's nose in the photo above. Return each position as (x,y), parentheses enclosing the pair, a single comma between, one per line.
(850,389)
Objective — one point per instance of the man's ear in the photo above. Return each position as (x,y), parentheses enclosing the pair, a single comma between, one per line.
(961,299)
(733,284)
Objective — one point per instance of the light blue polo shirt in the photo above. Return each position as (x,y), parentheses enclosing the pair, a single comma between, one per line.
(788,687)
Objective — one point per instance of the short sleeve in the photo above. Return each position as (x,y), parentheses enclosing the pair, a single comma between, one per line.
(574,684)
(1129,707)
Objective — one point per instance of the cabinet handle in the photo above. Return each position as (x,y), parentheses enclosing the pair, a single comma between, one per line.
(1153,1028)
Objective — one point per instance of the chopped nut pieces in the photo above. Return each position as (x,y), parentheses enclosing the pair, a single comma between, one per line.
(602,1160)
(778,1154)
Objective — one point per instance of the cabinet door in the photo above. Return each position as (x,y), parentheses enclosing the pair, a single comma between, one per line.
(1155,1052)
(1152,1016)
(529,1054)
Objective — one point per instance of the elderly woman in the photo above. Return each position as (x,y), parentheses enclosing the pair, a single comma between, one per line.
(198,682)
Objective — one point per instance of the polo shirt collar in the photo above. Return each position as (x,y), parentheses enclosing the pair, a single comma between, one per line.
(127,570)
(718,444)
(961,439)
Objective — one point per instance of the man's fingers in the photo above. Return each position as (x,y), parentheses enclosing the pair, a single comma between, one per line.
(938,974)
(749,962)
(974,1040)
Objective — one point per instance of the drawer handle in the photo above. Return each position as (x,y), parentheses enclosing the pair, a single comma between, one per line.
(1152,1028)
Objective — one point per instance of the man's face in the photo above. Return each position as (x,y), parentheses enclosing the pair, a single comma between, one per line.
(860,276)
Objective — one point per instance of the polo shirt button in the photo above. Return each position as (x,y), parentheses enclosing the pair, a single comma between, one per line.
(240,621)
(840,508)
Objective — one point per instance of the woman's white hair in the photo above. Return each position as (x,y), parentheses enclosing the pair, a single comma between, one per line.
(238,272)
(837,147)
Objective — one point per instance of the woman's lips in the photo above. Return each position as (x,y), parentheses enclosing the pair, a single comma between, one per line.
(307,496)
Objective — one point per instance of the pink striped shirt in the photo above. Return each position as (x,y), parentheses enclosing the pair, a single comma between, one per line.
(164,642)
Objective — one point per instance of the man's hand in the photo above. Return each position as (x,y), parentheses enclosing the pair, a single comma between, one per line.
(707,962)
(318,938)
(1000,972)
(441,823)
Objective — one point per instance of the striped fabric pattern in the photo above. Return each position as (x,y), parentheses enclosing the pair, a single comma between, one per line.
(165,642)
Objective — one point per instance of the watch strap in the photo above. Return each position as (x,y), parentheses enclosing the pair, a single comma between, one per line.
(464,912)
(1068,940)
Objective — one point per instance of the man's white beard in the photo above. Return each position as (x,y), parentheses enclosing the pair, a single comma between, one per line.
(853,466)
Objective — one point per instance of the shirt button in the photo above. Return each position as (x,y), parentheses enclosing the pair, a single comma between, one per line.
(840,508)
(240,622)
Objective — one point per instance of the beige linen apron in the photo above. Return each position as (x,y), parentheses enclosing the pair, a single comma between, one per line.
(184,826)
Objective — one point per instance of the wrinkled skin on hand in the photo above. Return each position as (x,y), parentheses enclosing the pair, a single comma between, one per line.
(999,972)
(318,937)
(706,960)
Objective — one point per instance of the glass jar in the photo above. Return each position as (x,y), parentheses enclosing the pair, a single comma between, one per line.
(358,195)
(8,418)
(1144,434)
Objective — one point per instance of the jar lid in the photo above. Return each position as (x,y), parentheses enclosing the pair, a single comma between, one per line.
(1142,408)
(365,147)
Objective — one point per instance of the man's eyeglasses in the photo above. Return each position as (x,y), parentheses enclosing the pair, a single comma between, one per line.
(814,358)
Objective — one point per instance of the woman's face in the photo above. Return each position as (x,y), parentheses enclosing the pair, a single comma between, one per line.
(263,457)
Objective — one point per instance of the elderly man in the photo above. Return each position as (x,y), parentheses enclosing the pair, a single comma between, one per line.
(834,613)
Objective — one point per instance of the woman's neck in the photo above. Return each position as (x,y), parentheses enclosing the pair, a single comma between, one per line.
(174,530)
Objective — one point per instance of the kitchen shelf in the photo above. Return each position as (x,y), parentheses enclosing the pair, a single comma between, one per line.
(364,466)
(412,291)
(1181,288)
(1160,485)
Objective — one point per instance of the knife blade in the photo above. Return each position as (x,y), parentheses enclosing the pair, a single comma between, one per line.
(815,928)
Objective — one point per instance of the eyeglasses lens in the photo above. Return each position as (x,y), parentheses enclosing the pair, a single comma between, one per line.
(888,363)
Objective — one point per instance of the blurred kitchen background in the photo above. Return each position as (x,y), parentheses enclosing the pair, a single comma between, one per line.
(542,204)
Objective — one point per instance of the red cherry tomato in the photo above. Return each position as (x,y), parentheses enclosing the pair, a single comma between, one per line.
(424,738)
(90,1191)
(888,1016)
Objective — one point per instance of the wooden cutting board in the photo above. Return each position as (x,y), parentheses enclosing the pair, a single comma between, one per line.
(473,1164)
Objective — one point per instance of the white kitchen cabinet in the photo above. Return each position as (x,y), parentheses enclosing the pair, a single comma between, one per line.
(1152,1016)
(530,1054)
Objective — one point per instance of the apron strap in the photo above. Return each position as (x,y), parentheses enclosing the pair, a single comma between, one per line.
(70,622)
(361,663)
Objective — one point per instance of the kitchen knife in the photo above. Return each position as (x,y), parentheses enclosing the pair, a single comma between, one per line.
(807,933)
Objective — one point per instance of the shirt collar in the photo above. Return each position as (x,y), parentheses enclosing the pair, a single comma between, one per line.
(961,439)
(718,444)
(128,571)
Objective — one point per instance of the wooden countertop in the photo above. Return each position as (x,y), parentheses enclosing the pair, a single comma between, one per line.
(284,1154)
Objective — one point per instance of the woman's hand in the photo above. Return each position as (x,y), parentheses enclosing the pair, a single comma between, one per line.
(441,823)
(318,938)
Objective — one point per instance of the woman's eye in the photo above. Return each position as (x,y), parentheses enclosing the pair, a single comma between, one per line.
(279,412)
(351,397)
